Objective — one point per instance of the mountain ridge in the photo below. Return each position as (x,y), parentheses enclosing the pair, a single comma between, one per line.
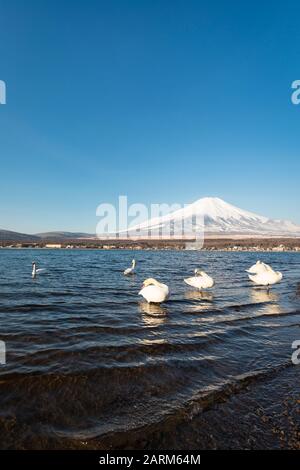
(218,218)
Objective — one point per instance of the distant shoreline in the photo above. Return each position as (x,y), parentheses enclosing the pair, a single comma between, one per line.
(210,244)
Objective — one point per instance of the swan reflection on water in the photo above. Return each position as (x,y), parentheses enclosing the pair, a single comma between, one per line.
(204,300)
(153,314)
(269,298)
(199,295)
(262,295)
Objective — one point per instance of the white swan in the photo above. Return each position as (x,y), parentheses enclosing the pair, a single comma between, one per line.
(258,267)
(35,271)
(130,270)
(201,280)
(266,277)
(154,291)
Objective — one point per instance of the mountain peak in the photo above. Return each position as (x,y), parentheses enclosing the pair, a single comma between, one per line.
(209,200)
(213,199)
(214,207)
(221,217)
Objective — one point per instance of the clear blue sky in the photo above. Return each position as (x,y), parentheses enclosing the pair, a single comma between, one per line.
(165,101)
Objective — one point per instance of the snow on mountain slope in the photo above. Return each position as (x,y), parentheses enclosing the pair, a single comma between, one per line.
(214,216)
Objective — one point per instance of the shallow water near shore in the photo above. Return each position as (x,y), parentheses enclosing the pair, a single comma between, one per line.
(88,360)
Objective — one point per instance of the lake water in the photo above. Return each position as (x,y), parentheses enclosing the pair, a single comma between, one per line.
(90,365)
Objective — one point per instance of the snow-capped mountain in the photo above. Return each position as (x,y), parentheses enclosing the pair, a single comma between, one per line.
(212,215)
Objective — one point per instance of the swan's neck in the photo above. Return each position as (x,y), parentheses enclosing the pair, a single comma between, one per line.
(154,282)
(160,285)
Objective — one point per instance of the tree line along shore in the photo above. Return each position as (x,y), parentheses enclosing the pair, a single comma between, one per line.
(210,244)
